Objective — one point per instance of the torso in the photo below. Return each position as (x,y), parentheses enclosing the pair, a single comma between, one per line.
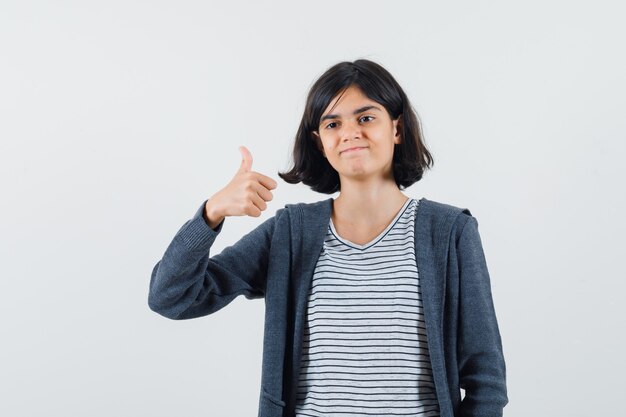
(365,325)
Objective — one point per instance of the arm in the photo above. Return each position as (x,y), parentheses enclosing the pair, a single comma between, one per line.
(188,283)
(482,372)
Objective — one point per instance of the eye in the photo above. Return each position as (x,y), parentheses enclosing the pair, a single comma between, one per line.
(328,126)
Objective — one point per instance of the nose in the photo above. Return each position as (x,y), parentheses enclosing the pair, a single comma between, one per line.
(350,130)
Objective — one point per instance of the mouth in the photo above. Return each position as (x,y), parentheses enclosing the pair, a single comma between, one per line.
(356,148)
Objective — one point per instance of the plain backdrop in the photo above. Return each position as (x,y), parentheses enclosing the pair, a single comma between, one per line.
(118,118)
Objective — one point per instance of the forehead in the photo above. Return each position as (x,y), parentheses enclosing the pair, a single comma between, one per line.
(348,100)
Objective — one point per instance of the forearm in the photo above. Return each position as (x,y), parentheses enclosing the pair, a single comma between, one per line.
(180,279)
(187,282)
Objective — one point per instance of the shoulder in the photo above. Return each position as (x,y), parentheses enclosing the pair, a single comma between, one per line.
(445,215)
(443,209)
(317,208)
(310,205)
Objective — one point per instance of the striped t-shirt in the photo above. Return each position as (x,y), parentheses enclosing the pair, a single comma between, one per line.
(365,351)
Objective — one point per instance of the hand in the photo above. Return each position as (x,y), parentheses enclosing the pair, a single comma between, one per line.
(245,194)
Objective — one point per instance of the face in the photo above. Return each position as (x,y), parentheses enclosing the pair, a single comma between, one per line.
(357,136)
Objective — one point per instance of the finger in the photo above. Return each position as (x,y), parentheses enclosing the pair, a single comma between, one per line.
(259,190)
(263,192)
(266,181)
(259,204)
(246,159)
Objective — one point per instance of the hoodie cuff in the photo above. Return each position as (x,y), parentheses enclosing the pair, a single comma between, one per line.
(196,233)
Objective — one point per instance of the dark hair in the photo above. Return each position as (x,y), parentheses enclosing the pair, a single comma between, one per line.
(410,157)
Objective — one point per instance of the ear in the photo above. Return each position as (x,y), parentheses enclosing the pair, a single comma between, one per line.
(398,129)
(318,142)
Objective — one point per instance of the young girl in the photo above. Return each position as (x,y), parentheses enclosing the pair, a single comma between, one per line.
(376,303)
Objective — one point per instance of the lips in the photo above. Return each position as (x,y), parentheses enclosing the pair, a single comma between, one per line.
(353,149)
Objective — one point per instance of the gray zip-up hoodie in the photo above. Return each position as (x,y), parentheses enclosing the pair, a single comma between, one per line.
(276,261)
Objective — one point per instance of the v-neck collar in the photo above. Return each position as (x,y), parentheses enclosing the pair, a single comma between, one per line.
(378,238)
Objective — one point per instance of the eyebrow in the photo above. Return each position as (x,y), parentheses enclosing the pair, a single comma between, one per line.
(357,111)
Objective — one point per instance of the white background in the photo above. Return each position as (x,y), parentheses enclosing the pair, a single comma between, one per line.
(118,118)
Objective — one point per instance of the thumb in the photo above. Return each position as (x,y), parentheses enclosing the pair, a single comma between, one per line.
(246,159)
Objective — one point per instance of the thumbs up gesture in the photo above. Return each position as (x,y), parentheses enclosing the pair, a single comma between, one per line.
(245,194)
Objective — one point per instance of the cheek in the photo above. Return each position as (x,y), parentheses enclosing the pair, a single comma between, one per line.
(328,144)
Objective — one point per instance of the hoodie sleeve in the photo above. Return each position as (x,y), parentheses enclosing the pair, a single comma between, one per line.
(187,282)
(482,372)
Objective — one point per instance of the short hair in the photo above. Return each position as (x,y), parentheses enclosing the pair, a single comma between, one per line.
(410,156)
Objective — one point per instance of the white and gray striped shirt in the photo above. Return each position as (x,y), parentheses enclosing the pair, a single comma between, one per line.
(365,351)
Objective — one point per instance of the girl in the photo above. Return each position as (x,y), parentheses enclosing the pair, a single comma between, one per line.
(376,303)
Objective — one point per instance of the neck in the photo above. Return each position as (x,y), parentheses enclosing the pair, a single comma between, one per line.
(366,203)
